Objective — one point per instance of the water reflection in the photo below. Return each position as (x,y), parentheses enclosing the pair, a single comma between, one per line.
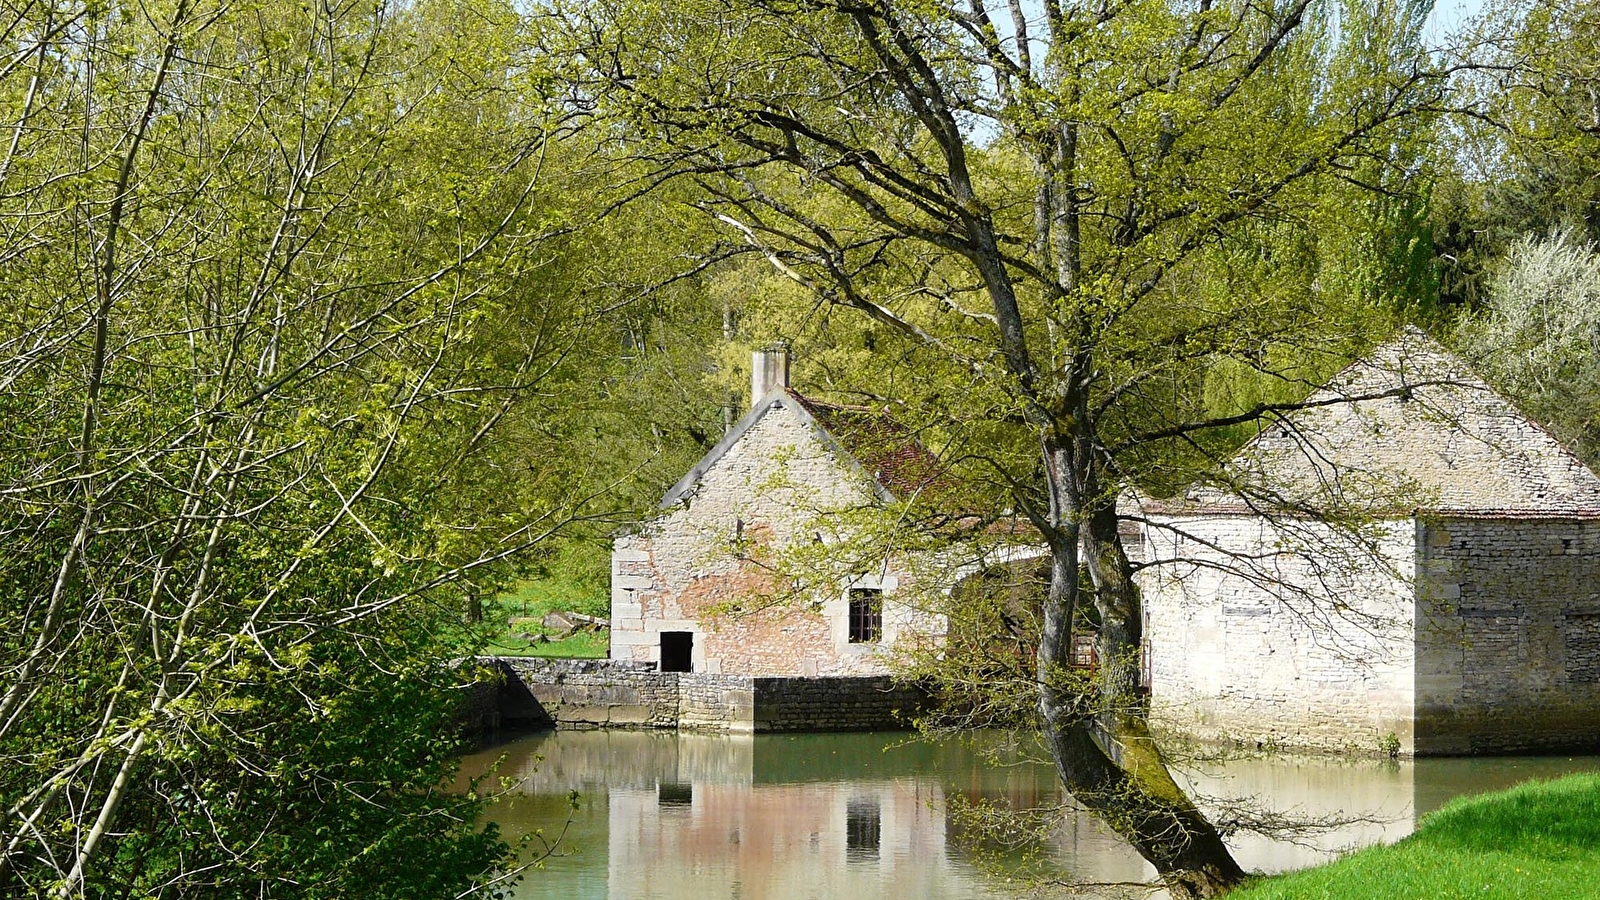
(786,817)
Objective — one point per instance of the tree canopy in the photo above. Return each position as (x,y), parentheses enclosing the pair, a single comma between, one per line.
(323,319)
(1081,213)
(300,346)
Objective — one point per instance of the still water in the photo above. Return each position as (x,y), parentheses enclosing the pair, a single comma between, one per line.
(669,816)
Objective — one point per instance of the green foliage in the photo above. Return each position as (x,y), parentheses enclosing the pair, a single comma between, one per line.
(1212,234)
(335,782)
(309,338)
(1533,841)
(1525,165)
(1538,338)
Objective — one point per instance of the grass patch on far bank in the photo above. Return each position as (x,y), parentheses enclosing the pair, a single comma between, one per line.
(1536,841)
(531,600)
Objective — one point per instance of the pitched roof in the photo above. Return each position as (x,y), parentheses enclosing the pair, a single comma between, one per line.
(1407,427)
(864,439)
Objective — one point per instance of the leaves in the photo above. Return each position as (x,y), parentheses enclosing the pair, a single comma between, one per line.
(289,300)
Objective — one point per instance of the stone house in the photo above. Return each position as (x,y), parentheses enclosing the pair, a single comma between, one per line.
(699,588)
(1406,564)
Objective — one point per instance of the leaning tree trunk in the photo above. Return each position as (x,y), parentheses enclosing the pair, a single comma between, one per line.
(1100,739)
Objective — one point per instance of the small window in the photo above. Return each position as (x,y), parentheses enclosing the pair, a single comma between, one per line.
(1084,654)
(866,615)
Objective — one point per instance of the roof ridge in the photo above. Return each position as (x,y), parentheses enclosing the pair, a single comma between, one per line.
(893,459)
(843,407)
(1412,409)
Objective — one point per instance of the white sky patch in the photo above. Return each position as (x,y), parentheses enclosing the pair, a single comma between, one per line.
(1448,17)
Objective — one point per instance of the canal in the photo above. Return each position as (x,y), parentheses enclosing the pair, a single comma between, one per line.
(674,816)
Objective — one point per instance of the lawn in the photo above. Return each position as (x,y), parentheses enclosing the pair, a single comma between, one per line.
(1536,841)
(529,602)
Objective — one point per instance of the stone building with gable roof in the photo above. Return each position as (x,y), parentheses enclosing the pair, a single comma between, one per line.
(1407,563)
(694,590)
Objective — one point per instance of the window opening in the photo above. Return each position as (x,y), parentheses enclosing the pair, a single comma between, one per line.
(866,615)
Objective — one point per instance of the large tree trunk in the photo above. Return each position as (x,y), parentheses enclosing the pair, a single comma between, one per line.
(1100,740)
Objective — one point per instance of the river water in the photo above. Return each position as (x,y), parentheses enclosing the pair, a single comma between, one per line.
(668,816)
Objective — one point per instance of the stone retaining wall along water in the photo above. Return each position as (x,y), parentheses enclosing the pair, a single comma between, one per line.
(596,693)
(834,704)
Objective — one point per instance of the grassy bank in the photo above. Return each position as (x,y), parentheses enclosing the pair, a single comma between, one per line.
(1538,841)
(529,602)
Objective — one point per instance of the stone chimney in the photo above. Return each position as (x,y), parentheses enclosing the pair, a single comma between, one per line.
(769,370)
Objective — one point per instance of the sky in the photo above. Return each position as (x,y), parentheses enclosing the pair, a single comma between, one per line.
(1447,15)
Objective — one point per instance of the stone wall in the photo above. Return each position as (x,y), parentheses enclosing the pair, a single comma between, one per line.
(1508,635)
(1281,634)
(706,566)
(716,703)
(595,693)
(1299,637)
(606,693)
(835,704)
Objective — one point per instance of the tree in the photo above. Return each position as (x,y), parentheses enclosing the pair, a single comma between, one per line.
(1525,164)
(281,284)
(1046,204)
(1538,337)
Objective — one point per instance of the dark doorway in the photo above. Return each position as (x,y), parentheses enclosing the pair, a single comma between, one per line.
(677,651)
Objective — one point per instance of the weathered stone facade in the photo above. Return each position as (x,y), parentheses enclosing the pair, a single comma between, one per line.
(1280,634)
(1507,627)
(1458,612)
(709,566)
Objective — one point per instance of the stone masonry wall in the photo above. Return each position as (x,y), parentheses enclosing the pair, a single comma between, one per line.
(605,693)
(595,693)
(1281,634)
(716,703)
(835,704)
(706,566)
(1508,635)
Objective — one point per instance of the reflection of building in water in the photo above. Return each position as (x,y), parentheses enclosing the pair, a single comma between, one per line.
(800,828)
(777,841)
(864,816)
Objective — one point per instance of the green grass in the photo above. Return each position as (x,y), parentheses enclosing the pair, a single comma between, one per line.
(1538,841)
(531,600)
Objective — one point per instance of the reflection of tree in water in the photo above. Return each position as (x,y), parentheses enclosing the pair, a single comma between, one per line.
(1003,810)
(795,816)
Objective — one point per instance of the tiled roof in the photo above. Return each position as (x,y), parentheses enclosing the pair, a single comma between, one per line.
(1408,427)
(865,438)
(886,450)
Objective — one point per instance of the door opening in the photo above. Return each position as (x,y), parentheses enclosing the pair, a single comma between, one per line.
(677,651)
